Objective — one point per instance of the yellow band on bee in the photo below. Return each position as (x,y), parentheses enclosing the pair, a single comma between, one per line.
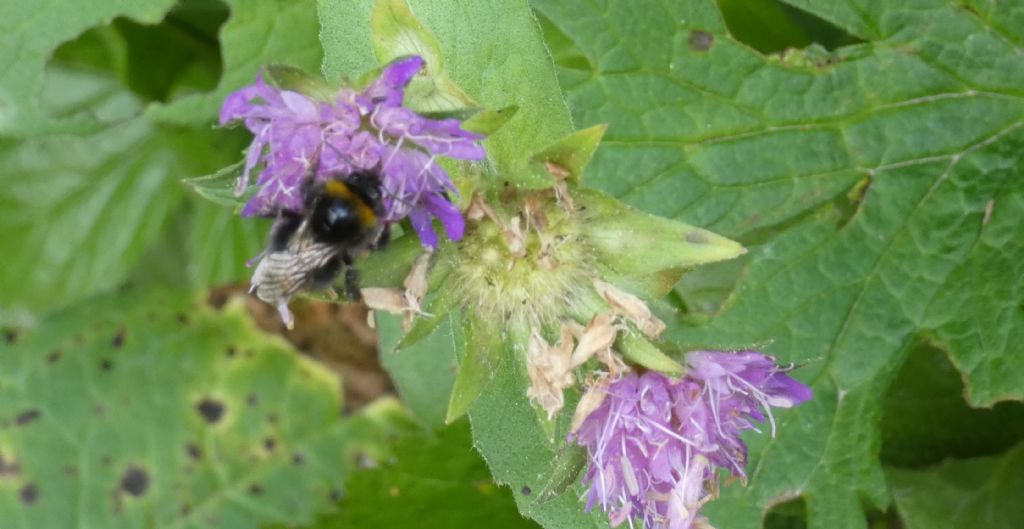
(339,189)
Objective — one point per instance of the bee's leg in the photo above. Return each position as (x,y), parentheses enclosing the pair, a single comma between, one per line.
(281,232)
(322,278)
(351,278)
(383,239)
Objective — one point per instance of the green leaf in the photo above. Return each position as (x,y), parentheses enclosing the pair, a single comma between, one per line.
(423,372)
(638,350)
(521,455)
(432,482)
(568,464)
(862,187)
(496,68)
(219,187)
(571,153)
(81,210)
(258,33)
(637,243)
(487,122)
(480,352)
(982,492)
(155,410)
(286,77)
(397,33)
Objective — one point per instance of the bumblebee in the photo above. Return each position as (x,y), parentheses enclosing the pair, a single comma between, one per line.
(307,251)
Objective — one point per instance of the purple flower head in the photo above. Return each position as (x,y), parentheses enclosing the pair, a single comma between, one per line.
(297,137)
(654,444)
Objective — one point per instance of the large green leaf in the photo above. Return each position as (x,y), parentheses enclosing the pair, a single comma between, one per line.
(431,482)
(79,211)
(155,410)
(962,494)
(876,187)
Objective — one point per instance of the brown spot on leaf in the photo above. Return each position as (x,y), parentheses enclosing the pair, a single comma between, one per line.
(29,493)
(54,356)
(193,451)
(252,399)
(26,417)
(255,489)
(10,336)
(118,339)
(270,444)
(701,40)
(298,458)
(211,410)
(336,495)
(526,490)
(106,365)
(231,351)
(135,481)
(182,318)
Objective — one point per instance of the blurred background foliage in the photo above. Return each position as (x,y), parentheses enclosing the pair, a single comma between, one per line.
(139,388)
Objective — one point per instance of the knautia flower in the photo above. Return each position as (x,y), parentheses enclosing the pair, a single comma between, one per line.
(298,137)
(654,444)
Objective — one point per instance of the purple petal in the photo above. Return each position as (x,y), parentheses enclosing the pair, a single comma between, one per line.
(364,151)
(420,220)
(450,215)
(302,108)
(389,87)
(446,138)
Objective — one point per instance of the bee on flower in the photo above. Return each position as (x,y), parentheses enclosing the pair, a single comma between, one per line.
(335,173)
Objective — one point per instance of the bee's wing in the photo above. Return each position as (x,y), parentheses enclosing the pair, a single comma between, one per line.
(280,275)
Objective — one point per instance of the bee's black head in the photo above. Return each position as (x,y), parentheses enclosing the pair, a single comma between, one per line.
(345,211)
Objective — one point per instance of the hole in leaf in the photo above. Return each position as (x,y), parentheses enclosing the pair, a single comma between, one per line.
(118,339)
(701,40)
(135,481)
(791,514)
(770,26)
(179,56)
(925,418)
